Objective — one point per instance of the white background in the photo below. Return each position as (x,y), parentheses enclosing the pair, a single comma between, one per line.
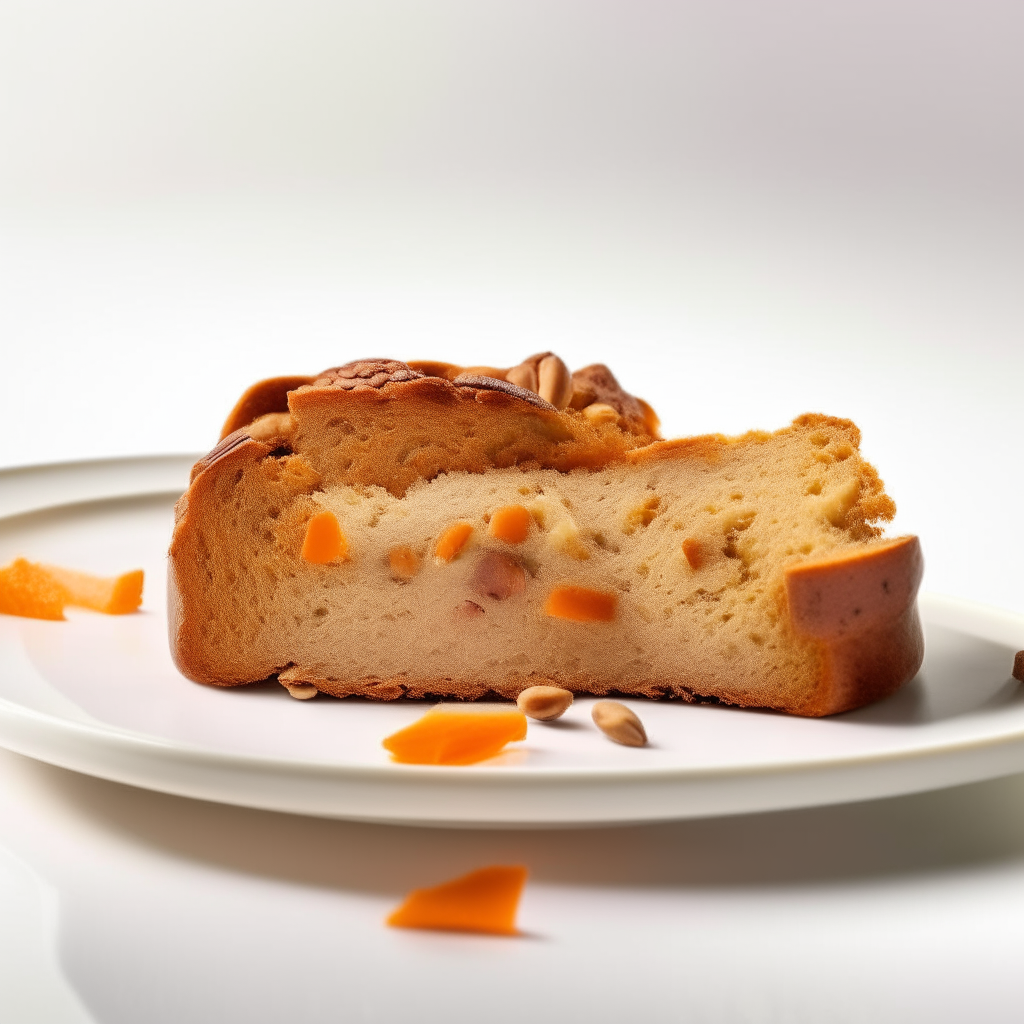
(748,209)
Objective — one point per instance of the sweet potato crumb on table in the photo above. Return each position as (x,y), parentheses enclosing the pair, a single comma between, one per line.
(485,900)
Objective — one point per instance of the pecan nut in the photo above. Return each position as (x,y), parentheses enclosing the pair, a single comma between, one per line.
(471,380)
(619,723)
(524,376)
(498,576)
(367,373)
(544,703)
(554,382)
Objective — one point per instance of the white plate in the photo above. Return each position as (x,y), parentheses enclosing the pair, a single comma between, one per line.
(100,695)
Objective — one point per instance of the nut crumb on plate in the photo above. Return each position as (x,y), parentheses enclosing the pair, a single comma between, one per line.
(544,703)
(619,723)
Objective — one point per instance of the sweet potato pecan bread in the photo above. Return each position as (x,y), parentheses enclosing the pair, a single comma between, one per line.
(419,529)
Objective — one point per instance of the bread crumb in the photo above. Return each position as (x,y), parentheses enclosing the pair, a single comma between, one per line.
(642,515)
(404,562)
(565,537)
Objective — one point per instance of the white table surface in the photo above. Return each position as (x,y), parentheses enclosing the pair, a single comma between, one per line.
(750,212)
(134,906)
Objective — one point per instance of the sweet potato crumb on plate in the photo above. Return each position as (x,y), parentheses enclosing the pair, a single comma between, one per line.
(37,591)
(457,734)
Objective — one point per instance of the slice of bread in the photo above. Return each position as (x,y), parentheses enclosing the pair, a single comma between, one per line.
(391,529)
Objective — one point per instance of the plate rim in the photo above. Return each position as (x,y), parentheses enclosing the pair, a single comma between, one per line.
(141,740)
(970,617)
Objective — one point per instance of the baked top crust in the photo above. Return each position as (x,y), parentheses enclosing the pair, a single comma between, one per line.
(590,385)
(381,422)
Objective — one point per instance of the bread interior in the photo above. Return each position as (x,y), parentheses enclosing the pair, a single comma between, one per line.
(691,537)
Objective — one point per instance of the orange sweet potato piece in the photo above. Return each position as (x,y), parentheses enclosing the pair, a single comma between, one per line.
(112,595)
(453,540)
(42,591)
(510,523)
(485,900)
(29,590)
(457,734)
(580,604)
(693,552)
(404,562)
(324,540)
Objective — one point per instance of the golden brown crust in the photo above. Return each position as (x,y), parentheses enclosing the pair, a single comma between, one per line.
(444,687)
(860,608)
(188,648)
(226,445)
(596,383)
(1018,666)
(264,396)
(452,418)
(391,433)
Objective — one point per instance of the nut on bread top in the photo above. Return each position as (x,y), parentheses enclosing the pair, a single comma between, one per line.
(388,423)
